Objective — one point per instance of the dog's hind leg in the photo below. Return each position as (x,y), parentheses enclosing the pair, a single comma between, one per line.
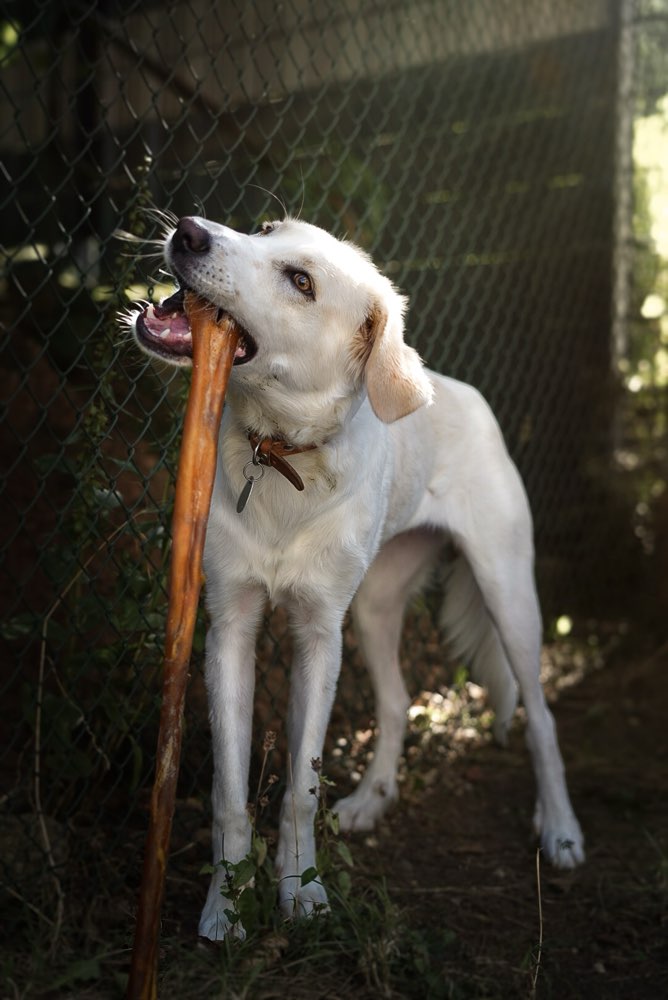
(397,572)
(510,595)
(472,637)
(494,532)
(230,681)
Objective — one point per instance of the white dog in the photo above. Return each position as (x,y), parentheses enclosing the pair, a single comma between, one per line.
(343,467)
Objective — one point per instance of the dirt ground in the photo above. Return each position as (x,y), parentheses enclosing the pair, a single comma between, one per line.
(460,857)
(460,869)
(462,872)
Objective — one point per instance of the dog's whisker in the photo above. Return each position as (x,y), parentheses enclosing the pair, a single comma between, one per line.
(123,234)
(152,255)
(199,205)
(126,237)
(301,207)
(274,196)
(166,220)
(163,215)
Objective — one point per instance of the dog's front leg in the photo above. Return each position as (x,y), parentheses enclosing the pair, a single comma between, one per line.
(314,677)
(230,681)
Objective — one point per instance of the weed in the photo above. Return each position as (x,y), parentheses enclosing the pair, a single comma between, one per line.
(539,949)
(250,887)
(362,942)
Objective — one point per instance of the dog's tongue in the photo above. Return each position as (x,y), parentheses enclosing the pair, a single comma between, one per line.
(172,328)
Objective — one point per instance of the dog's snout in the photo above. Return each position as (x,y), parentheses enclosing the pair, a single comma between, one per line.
(191,237)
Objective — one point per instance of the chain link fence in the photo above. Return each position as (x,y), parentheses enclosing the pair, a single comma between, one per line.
(482,153)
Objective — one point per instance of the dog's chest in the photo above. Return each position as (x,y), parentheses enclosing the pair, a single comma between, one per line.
(324,554)
(294,542)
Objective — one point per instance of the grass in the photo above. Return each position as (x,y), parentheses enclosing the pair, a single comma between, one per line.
(361,944)
(445,900)
(366,946)
(363,947)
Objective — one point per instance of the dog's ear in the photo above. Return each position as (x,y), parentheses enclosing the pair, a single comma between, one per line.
(396,381)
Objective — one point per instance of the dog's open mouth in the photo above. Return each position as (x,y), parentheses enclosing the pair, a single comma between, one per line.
(164,330)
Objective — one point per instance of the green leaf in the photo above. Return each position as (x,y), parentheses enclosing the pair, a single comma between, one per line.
(46,464)
(344,853)
(260,849)
(71,764)
(247,906)
(332,822)
(18,627)
(309,875)
(242,872)
(107,499)
(86,969)
(344,883)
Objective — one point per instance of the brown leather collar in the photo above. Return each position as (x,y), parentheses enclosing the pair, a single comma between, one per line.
(272,451)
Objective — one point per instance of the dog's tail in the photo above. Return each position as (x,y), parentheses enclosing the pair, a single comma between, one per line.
(472,636)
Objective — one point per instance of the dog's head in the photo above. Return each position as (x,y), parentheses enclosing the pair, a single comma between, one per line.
(315,314)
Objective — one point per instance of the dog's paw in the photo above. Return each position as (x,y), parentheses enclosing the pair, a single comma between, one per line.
(366,806)
(500,730)
(561,839)
(216,925)
(297,900)
(564,848)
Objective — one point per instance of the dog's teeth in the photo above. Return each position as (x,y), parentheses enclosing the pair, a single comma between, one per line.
(165,333)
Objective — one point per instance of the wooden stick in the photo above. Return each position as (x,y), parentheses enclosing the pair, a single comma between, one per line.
(214,347)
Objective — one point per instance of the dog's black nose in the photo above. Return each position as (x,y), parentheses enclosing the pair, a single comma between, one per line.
(190,237)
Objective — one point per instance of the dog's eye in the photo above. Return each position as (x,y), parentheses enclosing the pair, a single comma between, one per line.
(303,283)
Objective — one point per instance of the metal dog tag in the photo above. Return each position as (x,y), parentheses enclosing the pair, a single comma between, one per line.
(244,496)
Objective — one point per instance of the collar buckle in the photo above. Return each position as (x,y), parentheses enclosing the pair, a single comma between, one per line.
(272,451)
